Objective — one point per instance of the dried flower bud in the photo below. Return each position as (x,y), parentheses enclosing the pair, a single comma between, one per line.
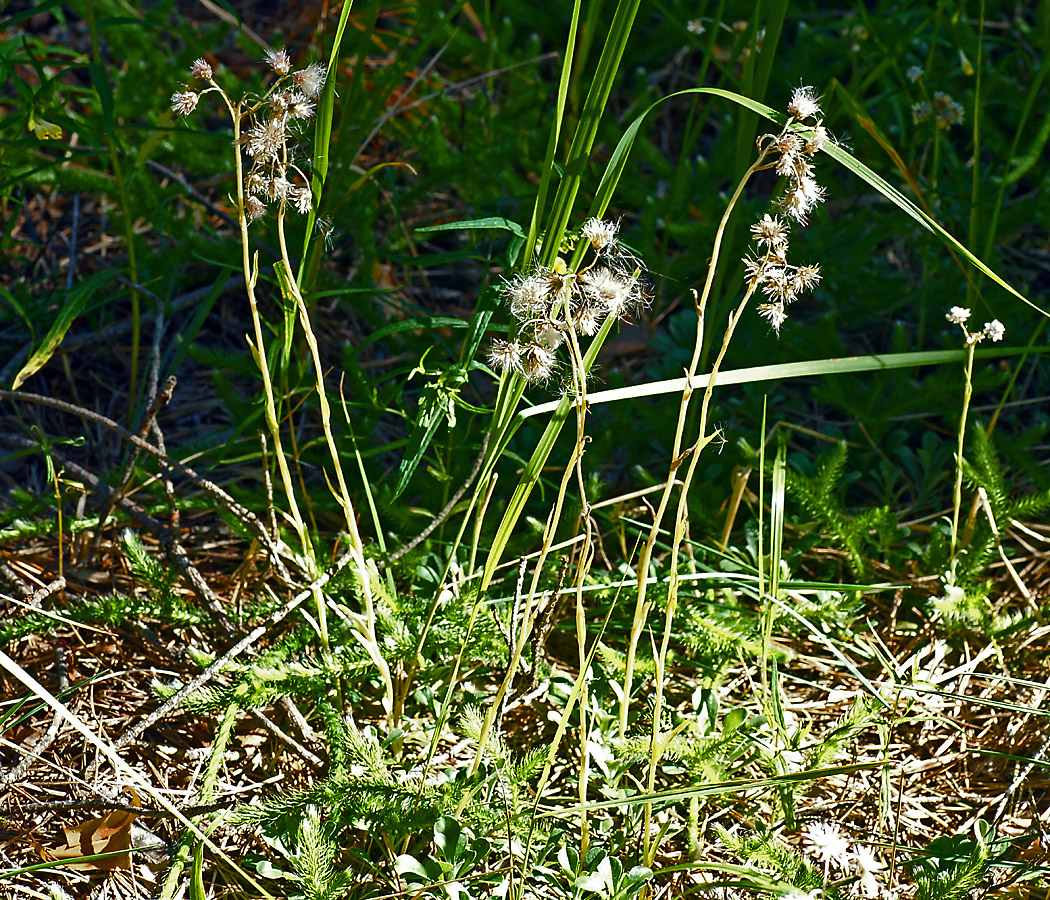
(184,102)
(201,69)
(254,208)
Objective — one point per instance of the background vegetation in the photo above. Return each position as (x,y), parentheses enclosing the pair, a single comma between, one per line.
(433,683)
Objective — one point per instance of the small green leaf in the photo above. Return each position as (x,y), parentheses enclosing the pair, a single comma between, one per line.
(489,222)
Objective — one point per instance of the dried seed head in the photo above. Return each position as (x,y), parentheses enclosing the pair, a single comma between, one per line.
(549,333)
(538,362)
(201,69)
(606,290)
(279,61)
(255,182)
(586,320)
(184,102)
(600,234)
(528,297)
(311,79)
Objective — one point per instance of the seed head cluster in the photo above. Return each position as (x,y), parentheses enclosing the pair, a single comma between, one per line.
(781,282)
(549,302)
(270,136)
(945,111)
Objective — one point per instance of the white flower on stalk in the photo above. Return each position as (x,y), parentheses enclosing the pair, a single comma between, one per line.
(823,841)
(302,197)
(958,315)
(914,73)
(994,330)
(803,104)
(867,867)
(695,26)
(774,314)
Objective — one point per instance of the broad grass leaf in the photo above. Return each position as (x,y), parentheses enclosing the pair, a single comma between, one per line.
(74,305)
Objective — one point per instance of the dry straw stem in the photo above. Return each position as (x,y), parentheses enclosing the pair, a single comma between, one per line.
(125,770)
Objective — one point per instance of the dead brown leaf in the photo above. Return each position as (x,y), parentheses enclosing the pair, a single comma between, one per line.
(107,834)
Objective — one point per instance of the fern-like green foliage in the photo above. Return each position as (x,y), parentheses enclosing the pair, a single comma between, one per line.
(986,471)
(820,496)
(957,882)
(765,851)
(863,713)
(315,859)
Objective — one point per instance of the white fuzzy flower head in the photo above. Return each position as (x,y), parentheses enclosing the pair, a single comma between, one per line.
(549,333)
(818,140)
(695,26)
(311,79)
(528,297)
(867,868)
(914,73)
(994,330)
(201,69)
(770,231)
(586,320)
(957,315)
(949,112)
(264,141)
(920,111)
(538,362)
(279,61)
(184,102)
(774,314)
(803,104)
(800,200)
(506,356)
(300,106)
(823,841)
(607,290)
(600,234)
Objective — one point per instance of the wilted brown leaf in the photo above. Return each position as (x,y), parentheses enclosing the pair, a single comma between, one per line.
(108,834)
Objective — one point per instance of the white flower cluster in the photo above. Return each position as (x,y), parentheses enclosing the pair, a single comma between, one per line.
(548,302)
(995,331)
(825,844)
(269,140)
(780,281)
